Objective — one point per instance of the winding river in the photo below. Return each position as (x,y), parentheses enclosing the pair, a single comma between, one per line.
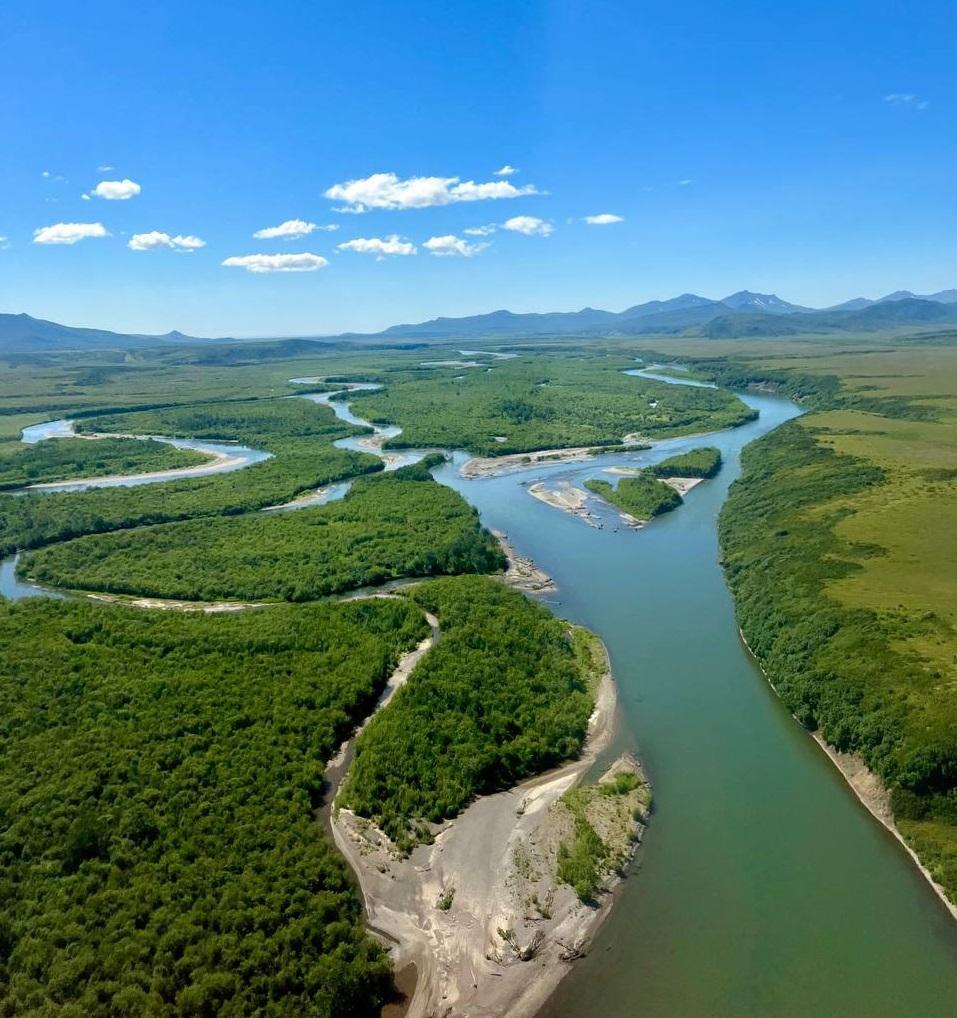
(764,888)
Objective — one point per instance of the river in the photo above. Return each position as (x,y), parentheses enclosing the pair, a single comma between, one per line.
(764,887)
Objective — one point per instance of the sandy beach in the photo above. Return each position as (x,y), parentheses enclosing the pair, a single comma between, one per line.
(566,497)
(492,466)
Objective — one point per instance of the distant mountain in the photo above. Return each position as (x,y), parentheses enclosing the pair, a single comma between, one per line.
(898,313)
(24,334)
(744,313)
(766,303)
(686,302)
(859,303)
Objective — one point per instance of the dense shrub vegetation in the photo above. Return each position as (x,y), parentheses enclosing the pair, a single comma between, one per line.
(540,402)
(60,459)
(504,694)
(158,848)
(642,496)
(842,670)
(387,526)
(298,433)
(704,462)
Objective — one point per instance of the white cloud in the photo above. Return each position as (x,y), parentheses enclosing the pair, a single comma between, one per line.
(449,245)
(480,231)
(529,225)
(391,245)
(4,243)
(68,233)
(291,229)
(116,190)
(304,262)
(506,171)
(906,99)
(686,181)
(155,239)
(105,169)
(603,219)
(387,191)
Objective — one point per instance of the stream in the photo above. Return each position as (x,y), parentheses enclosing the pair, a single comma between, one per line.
(764,887)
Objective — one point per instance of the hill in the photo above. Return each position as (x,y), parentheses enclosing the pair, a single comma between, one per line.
(25,334)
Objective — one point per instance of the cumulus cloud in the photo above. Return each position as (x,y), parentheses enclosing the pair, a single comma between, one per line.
(450,245)
(603,219)
(906,99)
(305,262)
(156,239)
(291,229)
(506,171)
(531,226)
(480,231)
(68,233)
(390,245)
(116,190)
(387,191)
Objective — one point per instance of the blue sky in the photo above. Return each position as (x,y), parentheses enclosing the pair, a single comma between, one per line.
(806,149)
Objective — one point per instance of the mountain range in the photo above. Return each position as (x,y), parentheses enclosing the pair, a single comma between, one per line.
(743,313)
(740,314)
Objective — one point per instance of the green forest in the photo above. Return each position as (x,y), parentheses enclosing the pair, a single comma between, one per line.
(533,403)
(703,462)
(158,846)
(642,496)
(506,693)
(842,670)
(60,459)
(298,434)
(389,525)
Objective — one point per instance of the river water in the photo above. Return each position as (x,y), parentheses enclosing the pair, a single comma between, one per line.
(764,887)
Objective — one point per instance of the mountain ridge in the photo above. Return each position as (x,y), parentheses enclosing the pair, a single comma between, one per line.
(744,313)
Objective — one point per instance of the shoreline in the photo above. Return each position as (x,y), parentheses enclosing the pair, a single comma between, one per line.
(866,786)
(462,960)
(522,573)
(495,466)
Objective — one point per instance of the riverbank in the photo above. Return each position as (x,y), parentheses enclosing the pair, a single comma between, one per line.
(479,913)
(494,466)
(568,498)
(867,787)
(522,573)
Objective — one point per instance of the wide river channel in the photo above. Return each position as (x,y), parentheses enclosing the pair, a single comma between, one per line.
(764,888)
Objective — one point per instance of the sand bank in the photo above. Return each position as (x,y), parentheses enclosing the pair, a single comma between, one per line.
(480,913)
